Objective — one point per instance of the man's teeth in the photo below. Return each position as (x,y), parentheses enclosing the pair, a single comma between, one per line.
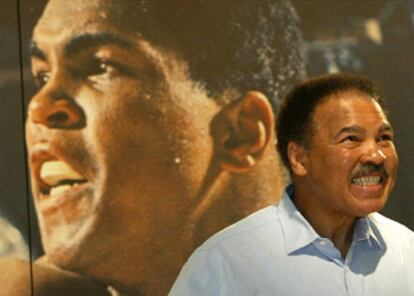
(367,180)
(57,190)
(53,172)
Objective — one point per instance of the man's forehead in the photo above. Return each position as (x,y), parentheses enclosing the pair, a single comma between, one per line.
(349,107)
(61,14)
(350,99)
(97,5)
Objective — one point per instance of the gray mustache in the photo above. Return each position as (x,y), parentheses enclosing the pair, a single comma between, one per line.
(362,170)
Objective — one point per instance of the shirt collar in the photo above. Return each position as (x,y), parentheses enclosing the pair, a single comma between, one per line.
(297,230)
(299,233)
(366,230)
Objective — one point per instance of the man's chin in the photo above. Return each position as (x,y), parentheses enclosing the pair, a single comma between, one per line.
(70,247)
(367,207)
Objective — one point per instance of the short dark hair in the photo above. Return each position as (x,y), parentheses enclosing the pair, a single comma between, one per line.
(242,45)
(295,120)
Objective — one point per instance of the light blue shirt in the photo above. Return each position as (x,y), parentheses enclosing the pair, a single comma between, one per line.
(275,251)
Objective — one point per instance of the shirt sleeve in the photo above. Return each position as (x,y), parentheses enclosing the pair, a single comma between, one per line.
(204,274)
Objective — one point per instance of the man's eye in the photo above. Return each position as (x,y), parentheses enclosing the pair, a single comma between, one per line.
(386,137)
(350,138)
(42,78)
(103,68)
(100,67)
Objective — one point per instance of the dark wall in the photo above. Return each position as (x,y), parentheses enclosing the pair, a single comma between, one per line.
(13,185)
(16,22)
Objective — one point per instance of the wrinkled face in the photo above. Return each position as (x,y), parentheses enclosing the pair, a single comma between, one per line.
(116,152)
(352,158)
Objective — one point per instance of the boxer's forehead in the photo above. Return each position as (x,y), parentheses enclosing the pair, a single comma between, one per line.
(61,15)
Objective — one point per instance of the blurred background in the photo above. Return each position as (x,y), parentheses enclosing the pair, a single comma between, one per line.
(373,38)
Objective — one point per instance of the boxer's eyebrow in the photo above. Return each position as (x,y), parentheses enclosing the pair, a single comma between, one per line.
(87,40)
(35,51)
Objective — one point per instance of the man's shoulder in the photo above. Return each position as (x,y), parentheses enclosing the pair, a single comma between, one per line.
(224,261)
(255,224)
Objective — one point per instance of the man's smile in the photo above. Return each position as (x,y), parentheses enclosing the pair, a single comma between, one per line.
(369,180)
(369,186)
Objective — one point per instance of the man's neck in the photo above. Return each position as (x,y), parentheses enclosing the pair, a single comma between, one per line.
(339,231)
(335,227)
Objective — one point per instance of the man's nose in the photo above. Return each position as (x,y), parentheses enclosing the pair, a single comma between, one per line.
(53,108)
(374,154)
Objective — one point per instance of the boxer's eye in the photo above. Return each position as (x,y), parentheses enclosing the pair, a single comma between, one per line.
(102,69)
(41,78)
(99,67)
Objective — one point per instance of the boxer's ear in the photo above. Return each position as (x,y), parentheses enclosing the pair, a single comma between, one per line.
(245,130)
(297,156)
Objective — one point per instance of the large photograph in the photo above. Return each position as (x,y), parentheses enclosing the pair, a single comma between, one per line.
(135,130)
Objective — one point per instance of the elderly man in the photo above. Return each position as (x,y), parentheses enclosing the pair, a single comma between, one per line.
(150,131)
(325,236)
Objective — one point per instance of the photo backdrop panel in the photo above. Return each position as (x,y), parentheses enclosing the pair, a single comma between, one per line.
(373,38)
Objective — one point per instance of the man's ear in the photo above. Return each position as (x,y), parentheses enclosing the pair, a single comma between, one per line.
(297,155)
(244,131)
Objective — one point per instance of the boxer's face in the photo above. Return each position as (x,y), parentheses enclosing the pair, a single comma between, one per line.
(118,138)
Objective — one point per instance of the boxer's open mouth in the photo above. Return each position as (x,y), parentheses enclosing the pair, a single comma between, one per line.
(57,178)
(62,189)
